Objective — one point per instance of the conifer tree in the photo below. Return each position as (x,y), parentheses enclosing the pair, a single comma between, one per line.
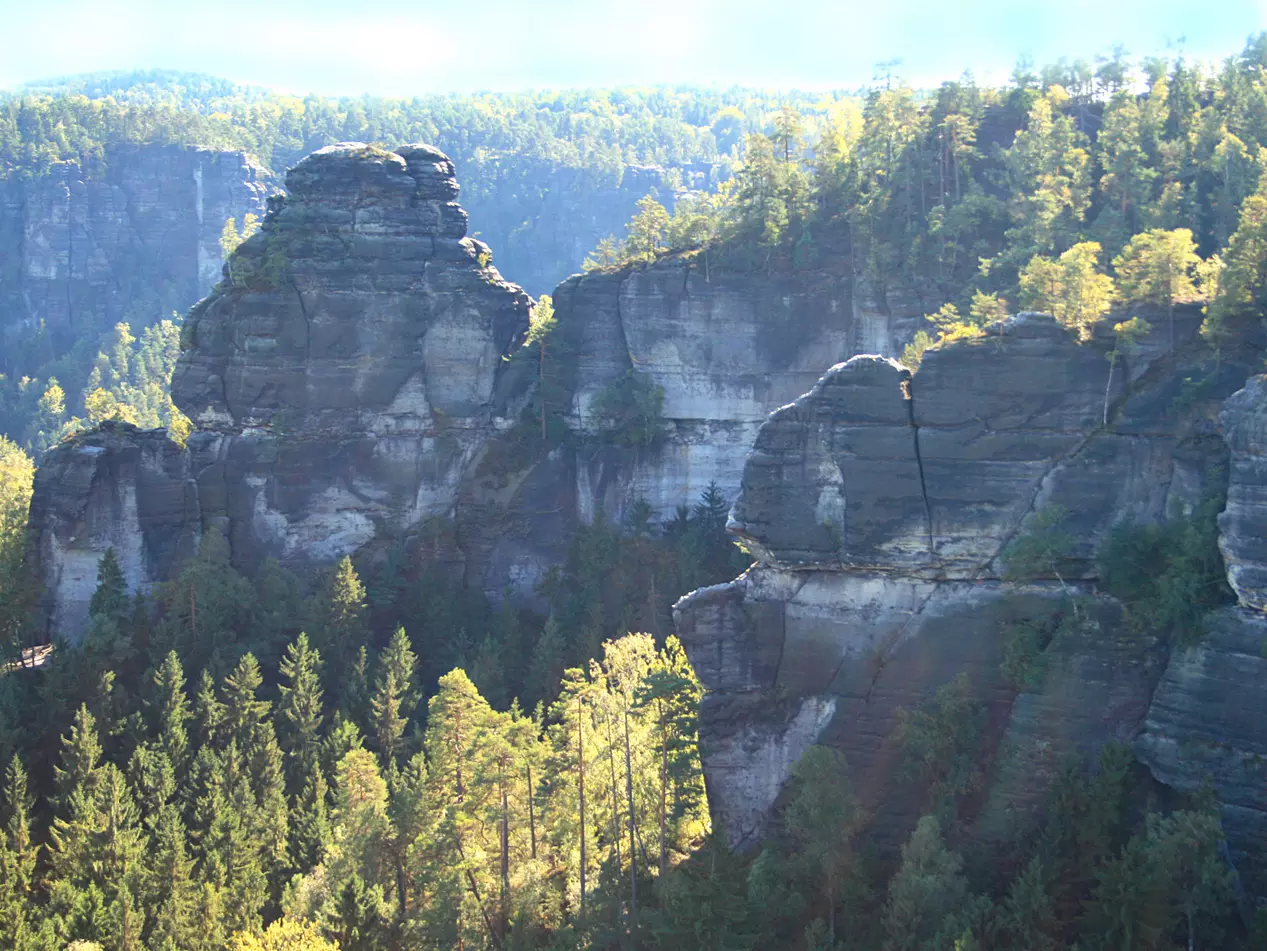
(300,708)
(169,710)
(344,626)
(823,817)
(926,892)
(18,855)
(172,892)
(110,602)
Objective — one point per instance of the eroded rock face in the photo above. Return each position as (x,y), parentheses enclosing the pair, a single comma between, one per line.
(725,349)
(81,249)
(881,505)
(341,379)
(1205,723)
(114,487)
(1243,524)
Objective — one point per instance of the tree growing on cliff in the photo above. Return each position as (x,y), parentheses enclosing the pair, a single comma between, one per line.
(17,474)
(1159,267)
(1071,288)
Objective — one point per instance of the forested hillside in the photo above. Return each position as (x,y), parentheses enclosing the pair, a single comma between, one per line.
(374,758)
(545,176)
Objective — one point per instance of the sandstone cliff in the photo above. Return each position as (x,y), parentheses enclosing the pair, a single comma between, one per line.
(724,348)
(132,239)
(341,379)
(881,506)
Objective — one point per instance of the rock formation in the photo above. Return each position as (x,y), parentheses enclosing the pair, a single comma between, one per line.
(725,348)
(132,239)
(1204,725)
(341,379)
(881,506)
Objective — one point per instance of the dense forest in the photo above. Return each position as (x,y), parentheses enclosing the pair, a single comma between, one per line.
(375,759)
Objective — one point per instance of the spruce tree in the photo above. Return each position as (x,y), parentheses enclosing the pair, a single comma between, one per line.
(300,708)
(110,602)
(169,710)
(172,892)
(344,626)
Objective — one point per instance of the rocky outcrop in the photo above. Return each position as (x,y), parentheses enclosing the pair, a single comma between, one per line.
(341,379)
(1205,724)
(1243,524)
(346,375)
(724,349)
(881,506)
(113,487)
(133,238)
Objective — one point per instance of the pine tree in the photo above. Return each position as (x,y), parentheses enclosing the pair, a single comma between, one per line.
(172,893)
(81,753)
(244,712)
(823,817)
(549,660)
(169,710)
(18,855)
(312,835)
(110,602)
(344,626)
(300,708)
(926,891)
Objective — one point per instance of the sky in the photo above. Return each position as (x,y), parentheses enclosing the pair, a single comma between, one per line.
(392,48)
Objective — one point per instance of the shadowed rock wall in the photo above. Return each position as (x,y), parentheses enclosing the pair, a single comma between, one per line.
(880,505)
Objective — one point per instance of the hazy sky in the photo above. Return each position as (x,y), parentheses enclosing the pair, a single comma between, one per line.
(388,47)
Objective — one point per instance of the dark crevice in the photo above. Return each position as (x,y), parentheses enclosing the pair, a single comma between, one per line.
(908,388)
(303,308)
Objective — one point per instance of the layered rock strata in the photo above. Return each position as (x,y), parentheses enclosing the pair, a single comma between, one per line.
(723,348)
(881,506)
(1205,724)
(132,238)
(341,378)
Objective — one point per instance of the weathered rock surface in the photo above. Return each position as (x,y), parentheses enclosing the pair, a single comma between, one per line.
(341,379)
(1243,524)
(344,378)
(725,348)
(132,239)
(932,476)
(881,505)
(114,487)
(1205,724)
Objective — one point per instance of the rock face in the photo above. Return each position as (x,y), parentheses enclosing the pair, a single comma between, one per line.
(345,377)
(341,379)
(881,505)
(1205,722)
(132,239)
(724,348)
(114,487)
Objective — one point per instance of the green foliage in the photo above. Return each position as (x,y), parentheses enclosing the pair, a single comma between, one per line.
(1071,288)
(1024,642)
(17,474)
(1042,548)
(940,744)
(1170,575)
(629,410)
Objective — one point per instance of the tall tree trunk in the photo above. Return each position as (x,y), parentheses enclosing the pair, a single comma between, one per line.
(505,864)
(664,791)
